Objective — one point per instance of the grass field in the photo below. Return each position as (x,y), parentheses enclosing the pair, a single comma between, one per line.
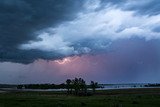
(106,98)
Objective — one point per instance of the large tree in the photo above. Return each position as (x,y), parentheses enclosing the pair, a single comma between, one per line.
(68,85)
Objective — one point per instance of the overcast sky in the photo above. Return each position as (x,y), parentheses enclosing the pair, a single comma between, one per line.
(109,41)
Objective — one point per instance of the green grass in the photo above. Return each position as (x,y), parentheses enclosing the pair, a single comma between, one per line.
(110,98)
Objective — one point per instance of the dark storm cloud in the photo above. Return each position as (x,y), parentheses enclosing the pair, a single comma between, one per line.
(149,7)
(24,56)
(19,19)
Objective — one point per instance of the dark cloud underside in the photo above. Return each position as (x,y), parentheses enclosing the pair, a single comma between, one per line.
(21,19)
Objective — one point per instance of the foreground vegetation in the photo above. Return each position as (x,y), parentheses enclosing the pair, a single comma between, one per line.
(105,98)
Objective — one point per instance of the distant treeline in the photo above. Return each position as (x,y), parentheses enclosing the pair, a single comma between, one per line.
(42,86)
(7,86)
(48,86)
(152,85)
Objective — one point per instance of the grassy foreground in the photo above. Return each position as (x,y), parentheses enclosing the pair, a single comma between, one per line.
(107,98)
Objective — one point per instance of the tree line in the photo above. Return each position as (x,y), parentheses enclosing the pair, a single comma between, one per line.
(75,86)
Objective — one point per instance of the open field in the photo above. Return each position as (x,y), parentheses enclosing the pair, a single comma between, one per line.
(106,98)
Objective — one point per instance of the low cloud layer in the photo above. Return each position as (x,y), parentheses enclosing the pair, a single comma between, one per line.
(53,29)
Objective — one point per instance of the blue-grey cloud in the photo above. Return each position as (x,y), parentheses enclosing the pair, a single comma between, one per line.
(19,19)
(53,29)
(149,7)
(99,26)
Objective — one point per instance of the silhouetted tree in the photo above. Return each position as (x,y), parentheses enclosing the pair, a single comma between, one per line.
(68,83)
(79,85)
(19,86)
(76,85)
(94,85)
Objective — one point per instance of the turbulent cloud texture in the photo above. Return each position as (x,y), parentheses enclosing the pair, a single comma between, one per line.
(53,29)
(19,19)
(112,41)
